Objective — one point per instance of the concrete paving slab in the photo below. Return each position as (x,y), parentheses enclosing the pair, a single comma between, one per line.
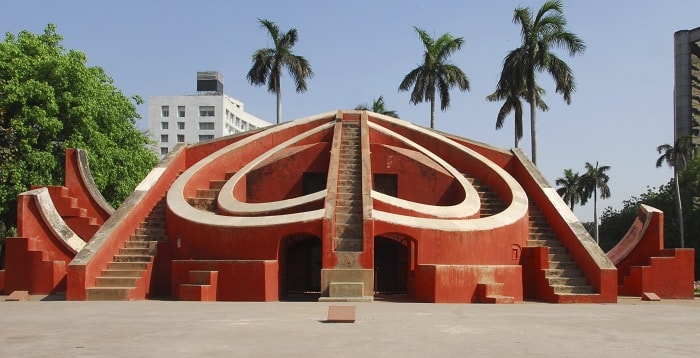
(631,328)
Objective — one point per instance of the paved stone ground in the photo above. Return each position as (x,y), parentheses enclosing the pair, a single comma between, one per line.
(631,328)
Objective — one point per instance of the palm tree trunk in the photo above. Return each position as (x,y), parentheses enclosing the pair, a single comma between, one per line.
(432,114)
(680,208)
(279,104)
(533,125)
(595,214)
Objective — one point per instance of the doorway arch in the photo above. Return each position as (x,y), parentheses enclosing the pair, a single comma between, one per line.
(300,276)
(392,264)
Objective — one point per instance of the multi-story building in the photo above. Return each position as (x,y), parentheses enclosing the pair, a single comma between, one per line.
(687,84)
(200,117)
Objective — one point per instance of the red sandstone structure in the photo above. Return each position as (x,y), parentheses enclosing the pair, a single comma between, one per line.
(343,205)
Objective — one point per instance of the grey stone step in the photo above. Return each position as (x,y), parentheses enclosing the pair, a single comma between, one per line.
(108,293)
(348,231)
(108,281)
(146,238)
(563,272)
(343,244)
(127,265)
(208,193)
(565,289)
(349,196)
(351,218)
(567,281)
(149,231)
(543,242)
(132,258)
(129,251)
(122,273)
(137,244)
(568,264)
(559,257)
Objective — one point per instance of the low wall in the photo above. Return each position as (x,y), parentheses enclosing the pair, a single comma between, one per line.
(458,283)
(237,280)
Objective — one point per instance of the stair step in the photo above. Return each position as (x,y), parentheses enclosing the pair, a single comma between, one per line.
(344,244)
(217,184)
(562,264)
(127,265)
(122,273)
(348,231)
(137,244)
(138,251)
(567,281)
(348,218)
(109,281)
(108,293)
(132,258)
(565,289)
(208,193)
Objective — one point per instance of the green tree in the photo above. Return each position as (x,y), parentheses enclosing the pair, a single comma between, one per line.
(378,106)
(570,188)
(511,93)
(51,100)
(677,156)
(596,178)
(436,73)
(268,63)
(539,35)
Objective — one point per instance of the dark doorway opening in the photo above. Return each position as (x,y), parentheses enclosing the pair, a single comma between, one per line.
(313,182)
(301,280)
(387,184)
(391,265)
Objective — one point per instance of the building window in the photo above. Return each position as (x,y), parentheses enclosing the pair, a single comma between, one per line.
(163,150)
(163,125)
(180,138)
(205,137)
(165,111)
(180,125)
(164,138)
(180,111)
(206,126)
(206,111)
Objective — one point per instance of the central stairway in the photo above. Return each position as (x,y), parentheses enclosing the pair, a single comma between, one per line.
(348,208)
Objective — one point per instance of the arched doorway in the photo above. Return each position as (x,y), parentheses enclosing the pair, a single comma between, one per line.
(391,264)
(301,268)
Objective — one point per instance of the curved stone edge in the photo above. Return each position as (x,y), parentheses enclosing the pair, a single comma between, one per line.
(468,207)
(180,208)
(634,235)
(516,210)
(230,205)
(54,221)
(86,176)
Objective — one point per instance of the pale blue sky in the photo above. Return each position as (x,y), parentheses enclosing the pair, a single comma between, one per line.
(361,49)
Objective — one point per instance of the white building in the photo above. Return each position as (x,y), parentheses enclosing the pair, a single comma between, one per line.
(195,118)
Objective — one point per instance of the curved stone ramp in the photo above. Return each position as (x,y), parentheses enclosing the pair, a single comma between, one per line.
(450,218)
(644,266)
(234,212)
(58,231)
(85,181)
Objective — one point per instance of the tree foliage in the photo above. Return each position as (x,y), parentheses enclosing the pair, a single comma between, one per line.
(51,100)
(269,63)
(540,34)
(436,73)
(378,106)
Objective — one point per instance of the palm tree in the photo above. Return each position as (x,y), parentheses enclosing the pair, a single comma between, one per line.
(436,73)
(512,93)
(571,188)
(378,106)
(594,179)
(539,34)
(268,63)
(677,156)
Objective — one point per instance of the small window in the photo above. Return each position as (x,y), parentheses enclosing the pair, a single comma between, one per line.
(206,137)
(163,150)
(165,111)
(180,138)
(163,125)
(206,111)
(180,125)
(204,126)
(164,138)
(180,111)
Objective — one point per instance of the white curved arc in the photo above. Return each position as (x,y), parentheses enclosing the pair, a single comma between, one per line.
(467,207)
(180,207)
(516,210)
(230,205)
(54,221)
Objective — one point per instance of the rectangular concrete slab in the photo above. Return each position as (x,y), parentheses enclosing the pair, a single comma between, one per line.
(341,314)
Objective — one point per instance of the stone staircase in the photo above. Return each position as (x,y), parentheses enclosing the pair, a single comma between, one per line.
(206,198)
(491,203)
(75,217)
(348,208)
(127,270)
(563,275)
